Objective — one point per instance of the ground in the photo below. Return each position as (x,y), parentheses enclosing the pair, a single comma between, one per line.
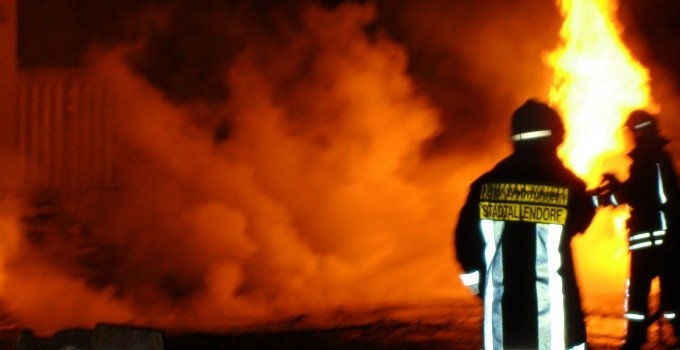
(452,324)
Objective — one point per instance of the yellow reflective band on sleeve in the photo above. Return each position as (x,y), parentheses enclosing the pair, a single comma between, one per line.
(527,193)
(522,212)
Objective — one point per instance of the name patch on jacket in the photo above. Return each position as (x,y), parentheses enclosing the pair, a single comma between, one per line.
(524,202)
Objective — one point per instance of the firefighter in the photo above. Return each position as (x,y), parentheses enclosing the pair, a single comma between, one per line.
(651,192)
(513,235)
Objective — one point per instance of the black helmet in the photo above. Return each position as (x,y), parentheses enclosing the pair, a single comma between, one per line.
(642,124)
(536,123)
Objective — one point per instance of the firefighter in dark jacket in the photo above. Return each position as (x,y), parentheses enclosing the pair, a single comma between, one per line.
(652,193)
(513,239)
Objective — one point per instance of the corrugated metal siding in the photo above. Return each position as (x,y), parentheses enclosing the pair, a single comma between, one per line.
(65,136)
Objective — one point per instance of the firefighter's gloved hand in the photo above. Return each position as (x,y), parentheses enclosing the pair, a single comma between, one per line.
(604,191)
(604,200)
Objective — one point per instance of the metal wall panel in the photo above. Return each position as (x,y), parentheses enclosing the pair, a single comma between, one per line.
(65,136)
(8,72)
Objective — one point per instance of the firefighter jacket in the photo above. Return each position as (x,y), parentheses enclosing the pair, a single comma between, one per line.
(512,241)
(652,194)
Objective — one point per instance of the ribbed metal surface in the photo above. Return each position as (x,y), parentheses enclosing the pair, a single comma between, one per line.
(65,138)
(8,70)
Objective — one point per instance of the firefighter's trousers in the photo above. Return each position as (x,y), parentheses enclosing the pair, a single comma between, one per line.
(645,265)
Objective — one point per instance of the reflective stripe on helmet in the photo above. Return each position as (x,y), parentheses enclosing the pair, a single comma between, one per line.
(531,135)
(642,125)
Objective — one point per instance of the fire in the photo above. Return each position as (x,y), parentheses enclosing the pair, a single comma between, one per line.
(596,84)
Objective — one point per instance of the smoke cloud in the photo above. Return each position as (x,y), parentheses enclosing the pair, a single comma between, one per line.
(315,197)
(283,160)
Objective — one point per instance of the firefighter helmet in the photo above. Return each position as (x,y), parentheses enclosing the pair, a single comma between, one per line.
(536,123)
(643,125)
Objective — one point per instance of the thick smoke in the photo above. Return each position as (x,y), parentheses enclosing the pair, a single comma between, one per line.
(651,32)
(315,198)
(284,215)
(290,159)
(476,62)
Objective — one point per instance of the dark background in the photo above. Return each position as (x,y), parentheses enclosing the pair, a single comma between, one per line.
(184,47)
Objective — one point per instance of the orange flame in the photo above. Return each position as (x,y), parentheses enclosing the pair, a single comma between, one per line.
(596,84)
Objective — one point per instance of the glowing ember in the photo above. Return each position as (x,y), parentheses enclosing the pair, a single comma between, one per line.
(596,84)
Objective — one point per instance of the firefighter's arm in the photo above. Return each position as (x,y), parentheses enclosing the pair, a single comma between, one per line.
(605,194)
(469,245)
(581,209)
(669,180)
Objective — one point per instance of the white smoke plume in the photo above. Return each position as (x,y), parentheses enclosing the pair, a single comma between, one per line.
(324,174)
(281,217)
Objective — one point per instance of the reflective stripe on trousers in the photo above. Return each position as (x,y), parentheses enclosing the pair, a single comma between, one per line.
(642,240)
(548,287)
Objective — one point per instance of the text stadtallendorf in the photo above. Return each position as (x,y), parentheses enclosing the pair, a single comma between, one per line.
(509,202)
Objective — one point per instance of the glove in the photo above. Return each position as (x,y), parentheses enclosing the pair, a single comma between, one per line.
(604,191)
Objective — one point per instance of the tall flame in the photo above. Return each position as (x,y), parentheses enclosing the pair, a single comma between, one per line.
(596,84)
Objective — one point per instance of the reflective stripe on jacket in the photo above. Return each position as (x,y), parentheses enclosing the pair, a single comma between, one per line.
(513,235)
